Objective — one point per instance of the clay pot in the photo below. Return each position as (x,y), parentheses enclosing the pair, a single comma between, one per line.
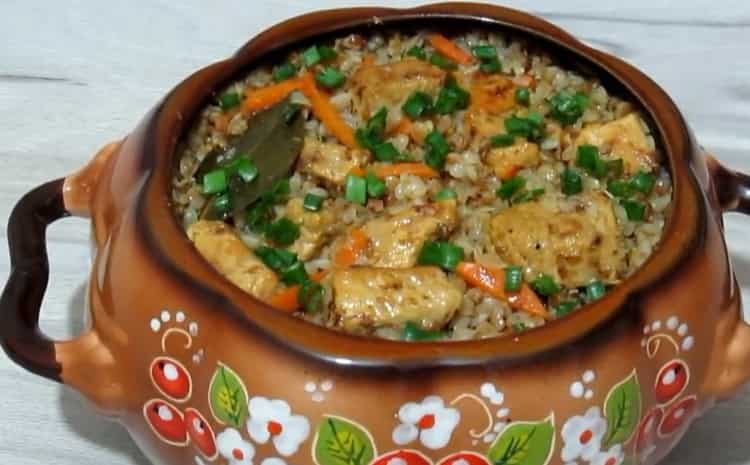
(200,371)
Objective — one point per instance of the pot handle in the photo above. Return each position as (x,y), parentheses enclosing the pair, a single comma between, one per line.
(732,193)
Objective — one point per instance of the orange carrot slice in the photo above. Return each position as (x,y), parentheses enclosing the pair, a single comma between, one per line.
(287,298)
(347,254)
(327,113)
(418,169)
(450,49)
(492,280)
(259,99)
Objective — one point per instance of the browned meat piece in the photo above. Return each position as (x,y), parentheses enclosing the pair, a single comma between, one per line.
(330,161)
(623,138)
(506,161)
(315,228)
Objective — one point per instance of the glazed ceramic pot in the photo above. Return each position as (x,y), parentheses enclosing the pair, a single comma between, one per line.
(200,372)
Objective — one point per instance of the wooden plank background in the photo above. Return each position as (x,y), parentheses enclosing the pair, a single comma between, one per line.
(75,74)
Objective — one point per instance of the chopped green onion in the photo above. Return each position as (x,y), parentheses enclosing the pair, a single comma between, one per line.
(523,95)
(442,61)
(311,56)
(229,99)
(643,181)
(375,185)
(276,259)
(386,151)
(636,211)
(595,290)
(620,187)
(491,65)
(519,326)
(417,52)
(418,104)
(510,186)
(526,196)
(215,181)
(529,127)
(371,135)
(587,157)
(245,168)
(452,97)
(484,51)
(223,203)
(312,202)
(513,278)
(284,71)
(356,189)
(414,332)
(327,52)
(446,193)
(283,231)
(564,307)
(294,274)
(571,181)
(568,107)
(437,149)
(330,77)
(545,285)
(310,295)
(444,254)
(502,140)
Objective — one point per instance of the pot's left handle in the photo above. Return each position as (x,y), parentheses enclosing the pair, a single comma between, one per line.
(21,300)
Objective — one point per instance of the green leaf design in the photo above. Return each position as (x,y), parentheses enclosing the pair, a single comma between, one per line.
(623,410)
(228,397)
(524,443)
(339,441)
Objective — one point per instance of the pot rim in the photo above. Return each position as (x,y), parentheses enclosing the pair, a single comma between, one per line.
(168,244)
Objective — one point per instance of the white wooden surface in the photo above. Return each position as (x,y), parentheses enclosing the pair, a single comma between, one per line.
(75,74)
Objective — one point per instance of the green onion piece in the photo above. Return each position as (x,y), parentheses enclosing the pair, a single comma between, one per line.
(587,157)
(484,51)
(491,65)
(565,307)
(446,193)
(311,56)
(620,188)
(442,61)
(519,326)
(529,127)
(294,274)
(215,181)
(568,107)
(444,254)
(276,259)
(414,332)
(223,203)
(229,99)
(259,215)
(418,104)
(417,52)
(371,135)
(245,168)
(643,181)
(437,149)
(330,77)
(327,52)
(356,189)
(386,151)
(312,202)
(636,210)
(526,196)
(595,290)
(513,278)
(375,185)
(283,231)
(510,186)
(502,140)
(523,95)
(452,97)
(545,285)
(310,295)
(284,71)
(571,181)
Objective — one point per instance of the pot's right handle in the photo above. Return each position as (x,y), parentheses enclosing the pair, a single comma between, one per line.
(732,190)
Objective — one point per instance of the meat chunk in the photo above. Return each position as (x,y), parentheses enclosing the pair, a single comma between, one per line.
(367,298)
(506,161)
(219,244)
(492,96)
(378,86)
(330,161)
(315,228)
(574,247)
(395,240)
(624,138)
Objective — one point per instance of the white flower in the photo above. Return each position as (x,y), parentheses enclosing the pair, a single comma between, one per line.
(273,461)
(273,419)
(583,435)
(233,448)
(429,420)
(614,456)
(494,395)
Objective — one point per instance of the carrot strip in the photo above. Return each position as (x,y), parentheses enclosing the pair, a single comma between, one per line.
(509,171)
(286,299)
(450,49)
(357,171)
(418,169)
(403,126)
(264,97)
(492,280)
(327,113)
(347,254)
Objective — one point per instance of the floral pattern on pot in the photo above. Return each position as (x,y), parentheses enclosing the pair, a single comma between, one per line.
(429,420)
(273,419)
(234,449)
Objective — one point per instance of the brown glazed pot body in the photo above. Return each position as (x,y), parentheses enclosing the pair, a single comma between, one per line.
(200,372)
